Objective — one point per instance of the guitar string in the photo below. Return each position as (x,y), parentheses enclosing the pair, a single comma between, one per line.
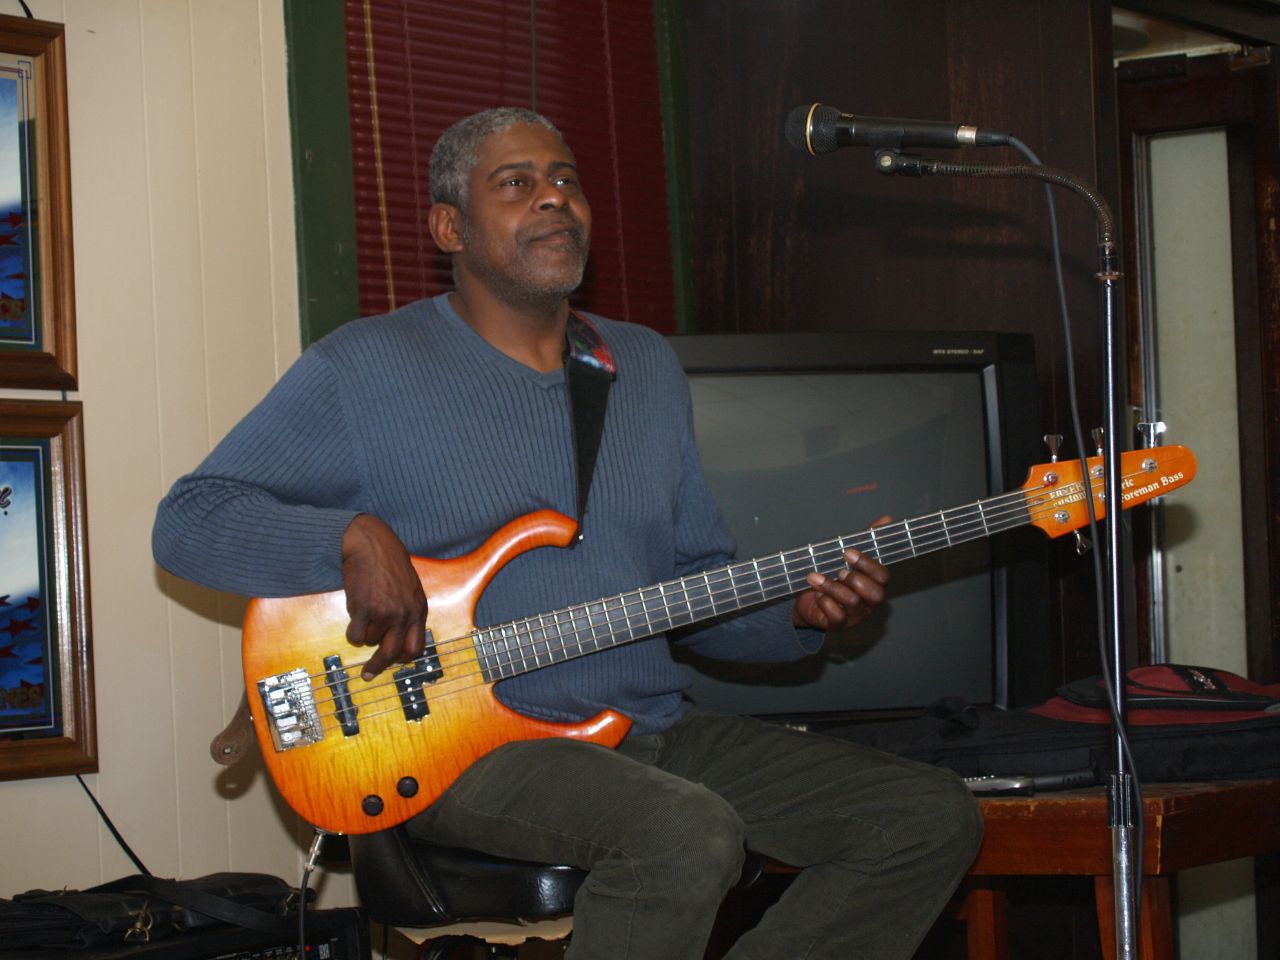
(585,627)
(453,678)
(922,538)
(817,556)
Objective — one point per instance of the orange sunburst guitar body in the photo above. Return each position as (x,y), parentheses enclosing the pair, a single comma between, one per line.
(357,782)
(354,757)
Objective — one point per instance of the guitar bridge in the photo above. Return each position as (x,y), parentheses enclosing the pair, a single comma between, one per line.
(289,706)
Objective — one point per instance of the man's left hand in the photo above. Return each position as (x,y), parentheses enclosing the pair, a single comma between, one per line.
(844,601)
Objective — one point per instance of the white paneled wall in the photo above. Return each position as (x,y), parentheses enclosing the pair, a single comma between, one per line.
(186,304)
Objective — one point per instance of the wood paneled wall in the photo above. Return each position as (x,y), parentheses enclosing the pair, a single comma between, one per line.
(787,241)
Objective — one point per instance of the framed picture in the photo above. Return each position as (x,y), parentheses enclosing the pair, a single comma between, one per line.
(46,668)
(37,313)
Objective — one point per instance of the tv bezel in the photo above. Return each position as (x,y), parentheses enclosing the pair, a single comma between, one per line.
(1005,363)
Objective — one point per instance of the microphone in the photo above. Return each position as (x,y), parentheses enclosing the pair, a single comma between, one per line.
(822,129)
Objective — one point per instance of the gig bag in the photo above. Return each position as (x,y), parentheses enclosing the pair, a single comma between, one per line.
(1184,723)
(142,908)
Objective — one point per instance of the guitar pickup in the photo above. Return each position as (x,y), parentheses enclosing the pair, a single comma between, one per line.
(412,677)
(335,676)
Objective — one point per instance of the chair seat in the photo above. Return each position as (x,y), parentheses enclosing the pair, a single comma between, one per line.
(403,881)
(406,882)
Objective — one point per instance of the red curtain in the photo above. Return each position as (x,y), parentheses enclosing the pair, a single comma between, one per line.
(590,66)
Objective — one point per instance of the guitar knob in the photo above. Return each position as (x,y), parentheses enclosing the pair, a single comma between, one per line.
(371,805)
(407,787)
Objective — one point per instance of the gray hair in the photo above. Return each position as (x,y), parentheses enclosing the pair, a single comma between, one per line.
(457,150)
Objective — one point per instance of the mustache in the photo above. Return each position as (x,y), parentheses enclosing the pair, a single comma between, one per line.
(574,228)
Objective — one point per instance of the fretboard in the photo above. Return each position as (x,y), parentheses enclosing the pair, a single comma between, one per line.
(519,646)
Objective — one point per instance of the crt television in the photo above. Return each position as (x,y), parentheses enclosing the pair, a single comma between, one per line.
(807,436)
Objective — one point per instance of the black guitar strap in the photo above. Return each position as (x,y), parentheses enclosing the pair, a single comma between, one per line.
(588,381)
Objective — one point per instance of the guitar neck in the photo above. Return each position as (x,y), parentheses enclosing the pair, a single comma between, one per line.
(519,646)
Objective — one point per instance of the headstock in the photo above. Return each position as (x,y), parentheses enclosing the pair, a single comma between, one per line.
(1055,494)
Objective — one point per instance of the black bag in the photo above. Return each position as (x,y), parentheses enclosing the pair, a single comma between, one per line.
(140,908)
(1185,723)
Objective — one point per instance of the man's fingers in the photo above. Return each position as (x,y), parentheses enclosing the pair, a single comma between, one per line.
(867,566)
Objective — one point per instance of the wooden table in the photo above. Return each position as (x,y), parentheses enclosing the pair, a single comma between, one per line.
(1056,834)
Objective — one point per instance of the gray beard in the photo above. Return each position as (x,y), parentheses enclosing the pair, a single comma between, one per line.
(519,288)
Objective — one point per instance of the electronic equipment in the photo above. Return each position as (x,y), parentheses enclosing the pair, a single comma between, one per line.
(811,435)
(340,934)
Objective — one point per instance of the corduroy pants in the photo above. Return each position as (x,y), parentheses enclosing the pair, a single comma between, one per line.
(662,823)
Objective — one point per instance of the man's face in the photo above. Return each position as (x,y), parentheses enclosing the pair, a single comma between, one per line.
(527,227)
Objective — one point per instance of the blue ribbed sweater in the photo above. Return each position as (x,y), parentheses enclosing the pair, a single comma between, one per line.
(415,418)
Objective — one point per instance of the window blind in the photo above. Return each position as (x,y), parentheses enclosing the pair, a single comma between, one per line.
(589,66)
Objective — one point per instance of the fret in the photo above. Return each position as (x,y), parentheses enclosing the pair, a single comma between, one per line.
(946,532)
(568,621)
(499,662)
(697,596)
(625,618)
(734,572)
(786,574)
(519,646)
(588,619)
(655,608)
(666,607)
(508,634)
(608,608)
(644,608)
(556,629)
(596,624)
(774,582)
(547,635)
(579,618)
(548,655)
(484,656)
(689,614)
(525,636)
(501,656)
(526,640)
(711,597)
(585,623)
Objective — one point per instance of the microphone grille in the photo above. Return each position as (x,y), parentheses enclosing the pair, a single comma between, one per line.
(812,128)
(822,129)
(797,128)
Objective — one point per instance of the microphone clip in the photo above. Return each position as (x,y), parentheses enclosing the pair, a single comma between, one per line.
(890,162)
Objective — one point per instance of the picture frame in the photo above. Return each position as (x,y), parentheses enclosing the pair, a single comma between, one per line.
(37,312)
(47,717)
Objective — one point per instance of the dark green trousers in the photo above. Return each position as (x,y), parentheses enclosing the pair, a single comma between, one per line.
(662,823)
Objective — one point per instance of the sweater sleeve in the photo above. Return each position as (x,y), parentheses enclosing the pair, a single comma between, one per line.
(763,634)
(265,513)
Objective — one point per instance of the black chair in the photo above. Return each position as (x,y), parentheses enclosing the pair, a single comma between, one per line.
(422,888)
(443,893)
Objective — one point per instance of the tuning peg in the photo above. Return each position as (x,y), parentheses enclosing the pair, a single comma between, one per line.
(1151,431)
(1083,545)
(1099,435)
(1053,441)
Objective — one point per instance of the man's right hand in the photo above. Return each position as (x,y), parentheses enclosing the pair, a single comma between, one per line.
(385,601)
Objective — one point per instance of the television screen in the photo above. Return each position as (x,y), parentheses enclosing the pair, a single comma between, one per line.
(799,450)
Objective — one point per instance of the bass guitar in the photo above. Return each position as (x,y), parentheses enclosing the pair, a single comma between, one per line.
(352,756)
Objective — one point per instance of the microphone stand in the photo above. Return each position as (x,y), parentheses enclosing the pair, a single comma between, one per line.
(1120,781)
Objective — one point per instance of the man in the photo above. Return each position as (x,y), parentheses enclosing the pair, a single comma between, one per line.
(425,430)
